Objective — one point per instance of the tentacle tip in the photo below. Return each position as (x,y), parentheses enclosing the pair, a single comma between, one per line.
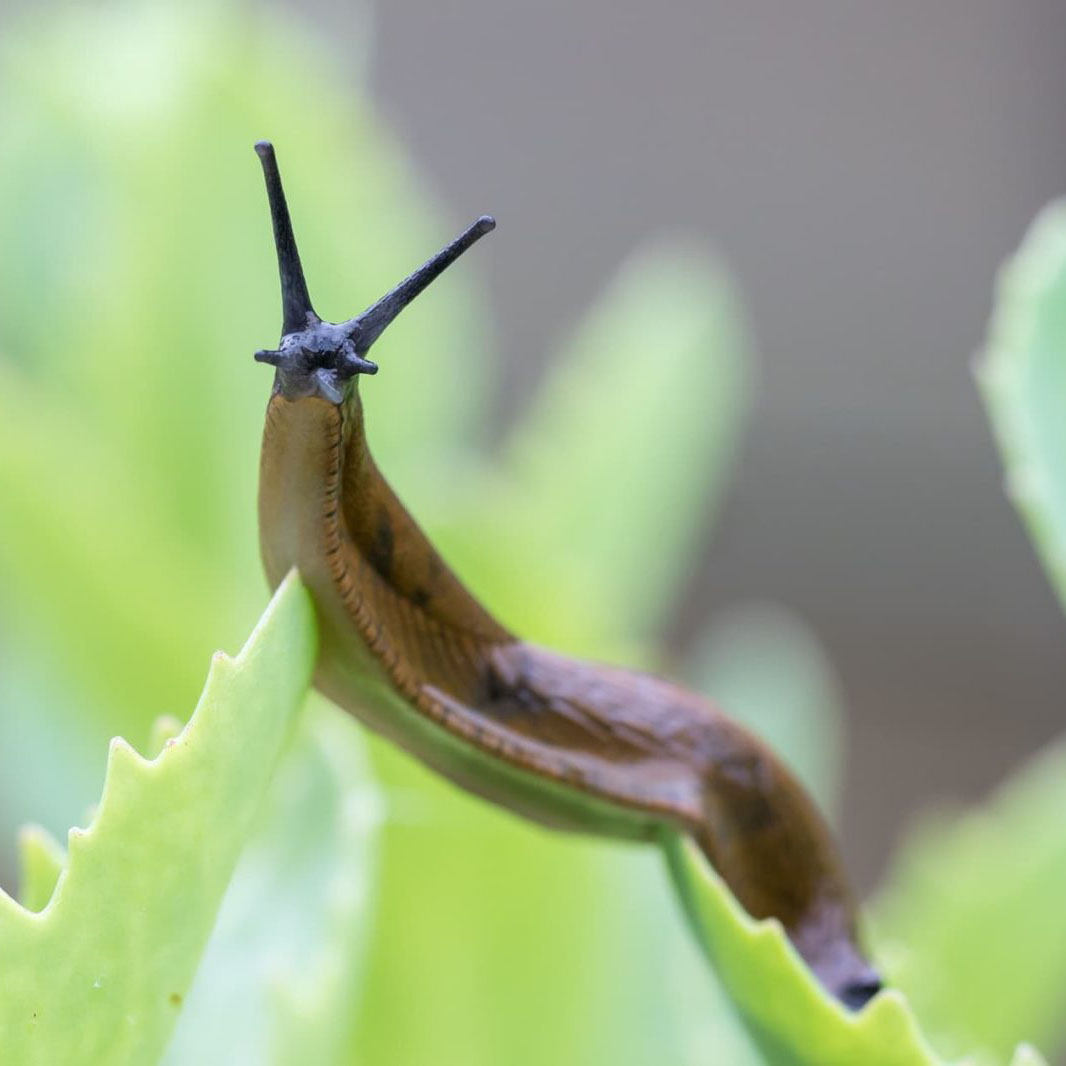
(264,149)
(266,355)
(352,363)
(485,224)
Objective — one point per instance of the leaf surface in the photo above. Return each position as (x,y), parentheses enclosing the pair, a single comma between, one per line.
(281,974)
(793,1020)
(100,974)
(1023,380)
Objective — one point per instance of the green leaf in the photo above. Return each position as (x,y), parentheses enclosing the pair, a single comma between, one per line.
(1023,380)
(792,1019)
(766,669)
(1027,1056)
(280,976)
(42,861)
(100,974)
(83,566)
(973,924)
(164,728)
(515,944)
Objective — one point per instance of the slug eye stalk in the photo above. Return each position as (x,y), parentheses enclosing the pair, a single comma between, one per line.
(317,357)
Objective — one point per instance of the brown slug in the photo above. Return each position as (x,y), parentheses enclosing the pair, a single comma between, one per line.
(408,651)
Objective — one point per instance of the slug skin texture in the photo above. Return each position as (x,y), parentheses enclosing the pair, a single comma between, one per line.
(411,654)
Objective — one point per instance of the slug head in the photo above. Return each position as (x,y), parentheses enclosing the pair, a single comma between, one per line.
(317,358)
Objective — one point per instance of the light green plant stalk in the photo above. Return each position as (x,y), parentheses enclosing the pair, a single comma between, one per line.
(284,964)
(794,1022)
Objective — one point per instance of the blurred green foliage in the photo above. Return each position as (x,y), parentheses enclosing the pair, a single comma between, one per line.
(1023,381)
(792,1019)
(135,280)
(278,981)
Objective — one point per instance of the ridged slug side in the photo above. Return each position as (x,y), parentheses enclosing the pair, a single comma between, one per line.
(407,650)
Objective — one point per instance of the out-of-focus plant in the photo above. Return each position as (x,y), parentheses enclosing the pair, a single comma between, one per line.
(970,921)
(973,912)
(135,280)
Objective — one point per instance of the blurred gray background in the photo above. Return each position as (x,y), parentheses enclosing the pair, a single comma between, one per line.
(863,169)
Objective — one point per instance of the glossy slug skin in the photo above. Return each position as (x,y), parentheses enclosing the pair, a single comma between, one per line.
(573,745)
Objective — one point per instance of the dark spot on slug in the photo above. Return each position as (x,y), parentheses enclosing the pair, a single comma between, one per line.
(857,993)
(506,697)
(495,688)
(421,597)
(743,778)
(381,547)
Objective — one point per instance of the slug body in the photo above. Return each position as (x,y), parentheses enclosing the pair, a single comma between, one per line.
(409,652)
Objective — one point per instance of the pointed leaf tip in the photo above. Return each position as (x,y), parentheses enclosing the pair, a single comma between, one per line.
(123,934)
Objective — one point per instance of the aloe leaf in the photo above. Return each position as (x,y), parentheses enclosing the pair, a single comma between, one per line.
(793,1020)
(767,670)
(51,762)
(280,975)
(1026,1055)
(1023,380)
(99,975)
(487,927)
(164,728)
